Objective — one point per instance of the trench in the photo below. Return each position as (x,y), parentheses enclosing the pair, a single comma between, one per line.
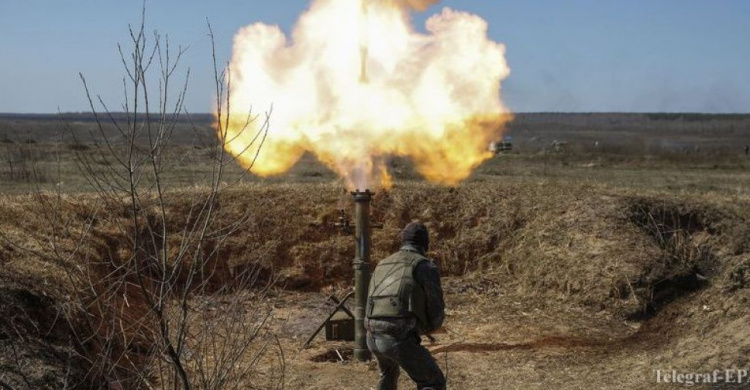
(492,240)
(684,267)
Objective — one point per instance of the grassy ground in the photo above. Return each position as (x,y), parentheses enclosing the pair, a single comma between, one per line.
(674,152)
(52,165)
(568,269)
(548,284)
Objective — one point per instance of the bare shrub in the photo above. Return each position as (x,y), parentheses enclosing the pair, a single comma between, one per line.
(151,300)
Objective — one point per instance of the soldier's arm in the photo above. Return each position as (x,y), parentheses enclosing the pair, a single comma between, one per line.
(428,276)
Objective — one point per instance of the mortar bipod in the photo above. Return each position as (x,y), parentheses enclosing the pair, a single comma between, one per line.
(339,307)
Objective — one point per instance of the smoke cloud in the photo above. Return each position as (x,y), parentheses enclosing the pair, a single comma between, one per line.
(356,84)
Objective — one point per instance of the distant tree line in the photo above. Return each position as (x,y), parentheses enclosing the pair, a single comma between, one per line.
(204,118)
(89,117)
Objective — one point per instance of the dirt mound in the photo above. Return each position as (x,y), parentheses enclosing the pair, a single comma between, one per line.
(35,350)
(679,264)
(698,287)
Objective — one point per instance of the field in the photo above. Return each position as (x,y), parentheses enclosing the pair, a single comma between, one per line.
(676,152)
(602,248)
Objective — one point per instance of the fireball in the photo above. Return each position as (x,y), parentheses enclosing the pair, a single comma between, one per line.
(356,83)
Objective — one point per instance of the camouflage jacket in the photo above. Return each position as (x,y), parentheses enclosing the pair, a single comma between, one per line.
(427,275)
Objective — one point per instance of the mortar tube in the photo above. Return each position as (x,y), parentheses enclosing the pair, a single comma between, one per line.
(361,271)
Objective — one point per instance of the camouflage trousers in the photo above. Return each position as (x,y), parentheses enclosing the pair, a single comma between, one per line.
(405,351)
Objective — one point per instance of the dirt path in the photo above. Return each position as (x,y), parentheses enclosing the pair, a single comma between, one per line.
(491,341)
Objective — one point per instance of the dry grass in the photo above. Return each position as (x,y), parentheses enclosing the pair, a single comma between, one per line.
(672,152)
(592,264)
(588,248)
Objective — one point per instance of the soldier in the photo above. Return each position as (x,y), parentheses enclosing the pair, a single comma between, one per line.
(405,301)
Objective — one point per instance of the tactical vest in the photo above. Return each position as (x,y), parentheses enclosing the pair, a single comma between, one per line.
(393,291)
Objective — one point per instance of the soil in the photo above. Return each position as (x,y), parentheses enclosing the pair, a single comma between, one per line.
(501,340)
(549,285)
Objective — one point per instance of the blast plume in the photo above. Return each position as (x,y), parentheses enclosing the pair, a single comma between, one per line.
(356,84)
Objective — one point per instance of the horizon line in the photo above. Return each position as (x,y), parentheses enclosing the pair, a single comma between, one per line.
(11,114)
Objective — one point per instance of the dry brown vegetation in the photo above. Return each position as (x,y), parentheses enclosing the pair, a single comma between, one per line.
(565,267)
(548,283)
(675,152)
(137,297)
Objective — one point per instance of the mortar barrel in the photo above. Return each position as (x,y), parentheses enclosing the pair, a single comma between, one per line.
(361,271)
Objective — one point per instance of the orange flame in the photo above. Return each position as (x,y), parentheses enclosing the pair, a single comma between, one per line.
(357,84)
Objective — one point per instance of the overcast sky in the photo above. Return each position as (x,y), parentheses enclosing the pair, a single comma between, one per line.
(573,55)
